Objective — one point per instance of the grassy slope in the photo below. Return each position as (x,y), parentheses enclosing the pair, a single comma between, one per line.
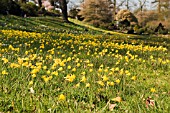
(49,24)
(149,76)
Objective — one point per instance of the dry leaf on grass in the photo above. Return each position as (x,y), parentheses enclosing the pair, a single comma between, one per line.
(150,102)
(112,106)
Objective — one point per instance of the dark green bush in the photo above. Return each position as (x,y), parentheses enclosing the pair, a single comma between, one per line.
(4,6)
(42,11)
(30,9)
(163,31)
(104,25)
(10,7)
(150,31)
(73,13)
(15,9)
(130,30)
(125,23)
(96,23)
(160,29)
(53,13)
(140,31)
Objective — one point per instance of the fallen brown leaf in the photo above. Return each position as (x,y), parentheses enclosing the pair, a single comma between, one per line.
(150,102)
(112,106)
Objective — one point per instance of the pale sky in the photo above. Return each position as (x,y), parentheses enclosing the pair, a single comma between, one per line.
(148,4)
(133,3)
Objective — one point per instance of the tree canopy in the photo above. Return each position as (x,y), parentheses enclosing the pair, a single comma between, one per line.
(124,14)
(96,12)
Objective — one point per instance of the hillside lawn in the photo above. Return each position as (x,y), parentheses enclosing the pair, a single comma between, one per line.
(47,65)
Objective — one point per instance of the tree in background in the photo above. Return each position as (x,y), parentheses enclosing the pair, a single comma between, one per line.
(124,15)
(142,4)
(40,3)
(53,2)
(163,8)
(30,9)
(96,12)
(62,6)
(116,5)
(146,16)
(113,6)
(114,9)
(10,7)
(127,4)
(4,6)
(73,13)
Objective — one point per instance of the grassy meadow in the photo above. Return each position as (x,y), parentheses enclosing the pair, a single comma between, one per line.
(47,66)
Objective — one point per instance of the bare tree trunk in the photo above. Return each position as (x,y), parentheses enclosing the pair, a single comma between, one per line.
(114,10)
(142,4)
(63,6)
(127,5)
(40,3)
(159,6)
(159,3)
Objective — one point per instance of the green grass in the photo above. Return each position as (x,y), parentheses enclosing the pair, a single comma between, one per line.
(50,66)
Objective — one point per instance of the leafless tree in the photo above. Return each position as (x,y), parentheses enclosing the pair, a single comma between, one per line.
(163,8)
